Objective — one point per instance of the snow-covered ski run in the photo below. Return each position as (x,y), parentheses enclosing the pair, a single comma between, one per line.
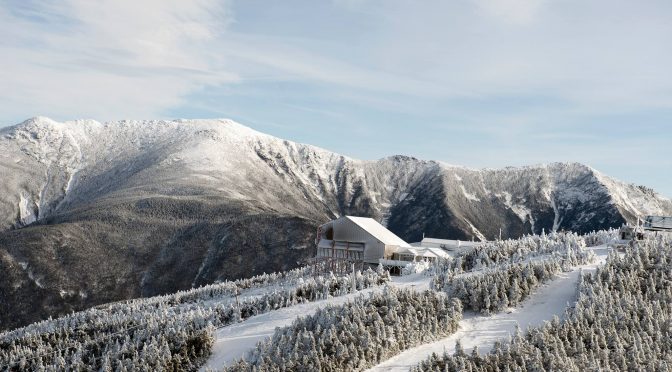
(234,341)
(477,330)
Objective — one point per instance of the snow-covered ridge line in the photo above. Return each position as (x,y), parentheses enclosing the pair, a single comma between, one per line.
(83,150)
(39,123)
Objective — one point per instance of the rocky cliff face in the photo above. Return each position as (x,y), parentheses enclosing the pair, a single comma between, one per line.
(93,212)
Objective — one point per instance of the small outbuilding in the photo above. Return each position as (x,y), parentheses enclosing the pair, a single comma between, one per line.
(420,254)
(452,246)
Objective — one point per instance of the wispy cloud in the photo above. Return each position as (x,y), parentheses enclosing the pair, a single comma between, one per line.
(503,76)
(118,58)
(107,59)
(511,11)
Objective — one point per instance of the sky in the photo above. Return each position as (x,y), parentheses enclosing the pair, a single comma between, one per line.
(479,83)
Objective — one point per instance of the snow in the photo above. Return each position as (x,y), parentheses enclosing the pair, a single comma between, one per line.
(80,161)
(475,231)
(556,219)
(36,280)
(448,243)
(234,341)
(26,213)
(469,195)
(482,331)
(633,198)
(415,267)
(523,212)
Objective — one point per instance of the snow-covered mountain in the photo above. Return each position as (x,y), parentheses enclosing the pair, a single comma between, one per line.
(95,212)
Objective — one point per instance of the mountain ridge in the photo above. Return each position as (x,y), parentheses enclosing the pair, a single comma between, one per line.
(96,212)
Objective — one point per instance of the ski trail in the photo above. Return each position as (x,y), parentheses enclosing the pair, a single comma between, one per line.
(234,341)
(482,331)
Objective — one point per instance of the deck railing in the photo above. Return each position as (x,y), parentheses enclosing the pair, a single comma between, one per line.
(397,263)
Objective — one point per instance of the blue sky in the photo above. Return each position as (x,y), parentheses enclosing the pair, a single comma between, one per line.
(480,83)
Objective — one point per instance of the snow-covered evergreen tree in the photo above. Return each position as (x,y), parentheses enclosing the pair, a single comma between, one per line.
(358,334)
(172,332)
(621,322)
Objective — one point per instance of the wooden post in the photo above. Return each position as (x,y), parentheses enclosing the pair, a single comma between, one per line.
(354,279)
(333,255)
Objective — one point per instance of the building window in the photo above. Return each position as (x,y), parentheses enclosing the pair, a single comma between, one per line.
(329,234)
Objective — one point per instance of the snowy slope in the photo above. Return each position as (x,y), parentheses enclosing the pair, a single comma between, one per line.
(167,205)
(483,331)
(49,166)
(234,341)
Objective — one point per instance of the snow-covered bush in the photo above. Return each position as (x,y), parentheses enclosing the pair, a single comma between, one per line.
(512,251)
(279,280)
(358,334)
(622,321)
(415,267)
(601,237)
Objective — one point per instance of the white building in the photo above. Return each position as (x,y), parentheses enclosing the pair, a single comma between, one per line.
(358,239)
(356,242)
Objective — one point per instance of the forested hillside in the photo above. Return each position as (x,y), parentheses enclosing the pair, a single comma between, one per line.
(621,321)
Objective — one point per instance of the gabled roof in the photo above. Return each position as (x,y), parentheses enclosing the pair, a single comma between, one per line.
(378,231)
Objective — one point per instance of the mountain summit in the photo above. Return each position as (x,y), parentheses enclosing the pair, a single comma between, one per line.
(95,212)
